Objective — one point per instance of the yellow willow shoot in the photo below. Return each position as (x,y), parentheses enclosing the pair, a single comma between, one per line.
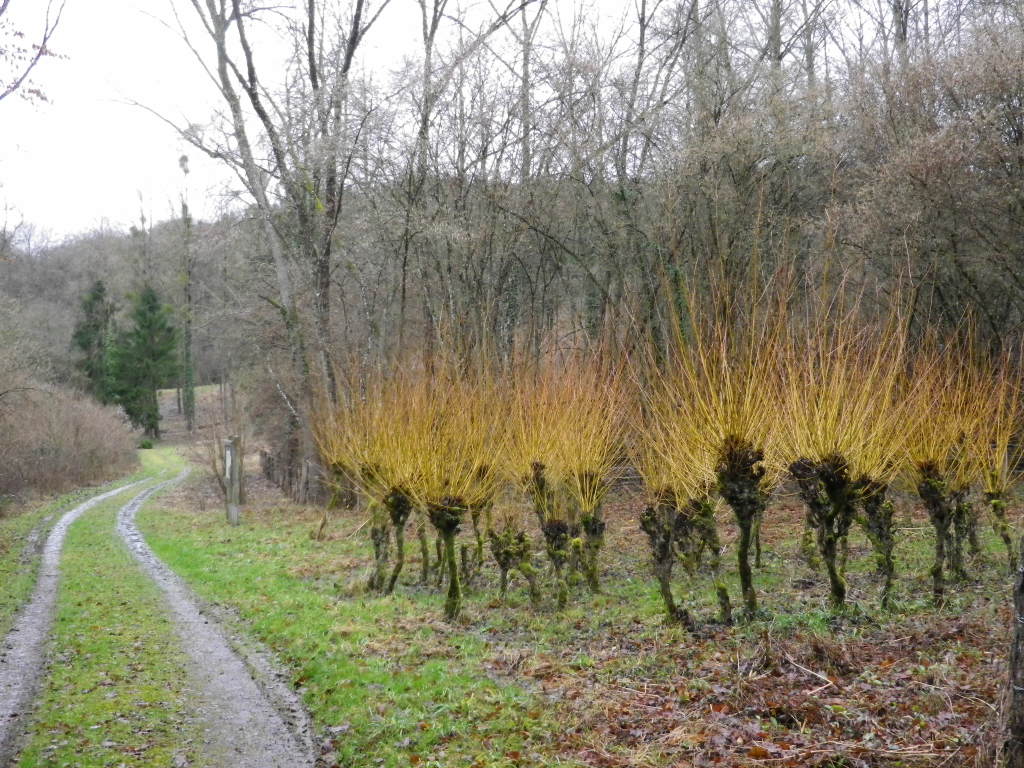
(998,447)
(728,370)
(998,444)
(946,415)
(842,396)
(669,452)
(841,417)
(587,451)
(455,432)
(364,437)
(566,417)
(948,412)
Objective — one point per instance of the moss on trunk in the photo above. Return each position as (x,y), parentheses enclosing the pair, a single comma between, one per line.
(399,507)
(662,524)
(960,528)
(558,545)
(511,550)
(878,521)
(446,517)
(1001,525)
(740,473)
(933,492)
(593,541)
(826,488)
(421,533)
(380,537)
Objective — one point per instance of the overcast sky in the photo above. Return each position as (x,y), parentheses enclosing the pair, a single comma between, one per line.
(91,159)
(85,158)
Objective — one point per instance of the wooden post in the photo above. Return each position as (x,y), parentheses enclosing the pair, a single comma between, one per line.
(233,477)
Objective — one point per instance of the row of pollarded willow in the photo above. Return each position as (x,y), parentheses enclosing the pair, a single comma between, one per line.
(842,408)
(444,444)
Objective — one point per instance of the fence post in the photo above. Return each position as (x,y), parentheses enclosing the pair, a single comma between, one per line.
(233,477)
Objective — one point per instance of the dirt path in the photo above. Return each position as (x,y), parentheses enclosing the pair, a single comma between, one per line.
(249,714)
(23,653)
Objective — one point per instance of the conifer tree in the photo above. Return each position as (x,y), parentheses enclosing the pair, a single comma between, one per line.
(92,338)
(144,360)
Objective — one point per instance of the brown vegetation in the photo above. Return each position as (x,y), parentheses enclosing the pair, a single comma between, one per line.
(55,440)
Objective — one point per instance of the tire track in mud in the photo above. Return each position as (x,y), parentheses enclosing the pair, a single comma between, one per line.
(23,652)
(248,713)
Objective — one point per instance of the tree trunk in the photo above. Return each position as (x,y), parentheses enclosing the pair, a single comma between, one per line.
(1001,525)
(1013,746)
(399,558)
(453,601)
(743,561)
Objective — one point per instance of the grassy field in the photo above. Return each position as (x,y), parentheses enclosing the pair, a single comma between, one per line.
(19,561)
(382,677)
(605,682)
(116,692)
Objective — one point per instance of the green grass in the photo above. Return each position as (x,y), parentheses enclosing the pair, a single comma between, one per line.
(395,682)
(18,571)
(407,688)
(116,692)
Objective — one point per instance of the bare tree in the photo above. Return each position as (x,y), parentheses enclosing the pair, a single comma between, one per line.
(306,126)
(19,58)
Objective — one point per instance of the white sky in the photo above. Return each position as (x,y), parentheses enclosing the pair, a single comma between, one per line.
(89,158)
(85,158)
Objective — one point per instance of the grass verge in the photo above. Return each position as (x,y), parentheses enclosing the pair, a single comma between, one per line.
(116,694)
(382,678)
(23,533)
(605,682)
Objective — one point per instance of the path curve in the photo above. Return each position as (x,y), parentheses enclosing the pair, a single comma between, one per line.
(23,653)
(245,723)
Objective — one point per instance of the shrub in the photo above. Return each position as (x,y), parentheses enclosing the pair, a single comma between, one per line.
(947,412)
(53,439)
(998,447)
(677,464)
(564,437)
(842,412)
(726,363)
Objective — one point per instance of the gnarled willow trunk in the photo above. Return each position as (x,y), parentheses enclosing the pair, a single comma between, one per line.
(421,533)
(933,492)
(660,522)
(740,474)
(558,538)
(558,534)
(446,517)
(702,512)
(997,505)
(963,511)
(879,525)
(511,550)
(829,494)
(399,507)
(380,537)
(592,526)
(593,541)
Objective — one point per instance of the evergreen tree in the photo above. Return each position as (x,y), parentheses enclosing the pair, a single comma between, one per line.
(92,339)
(145,359)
